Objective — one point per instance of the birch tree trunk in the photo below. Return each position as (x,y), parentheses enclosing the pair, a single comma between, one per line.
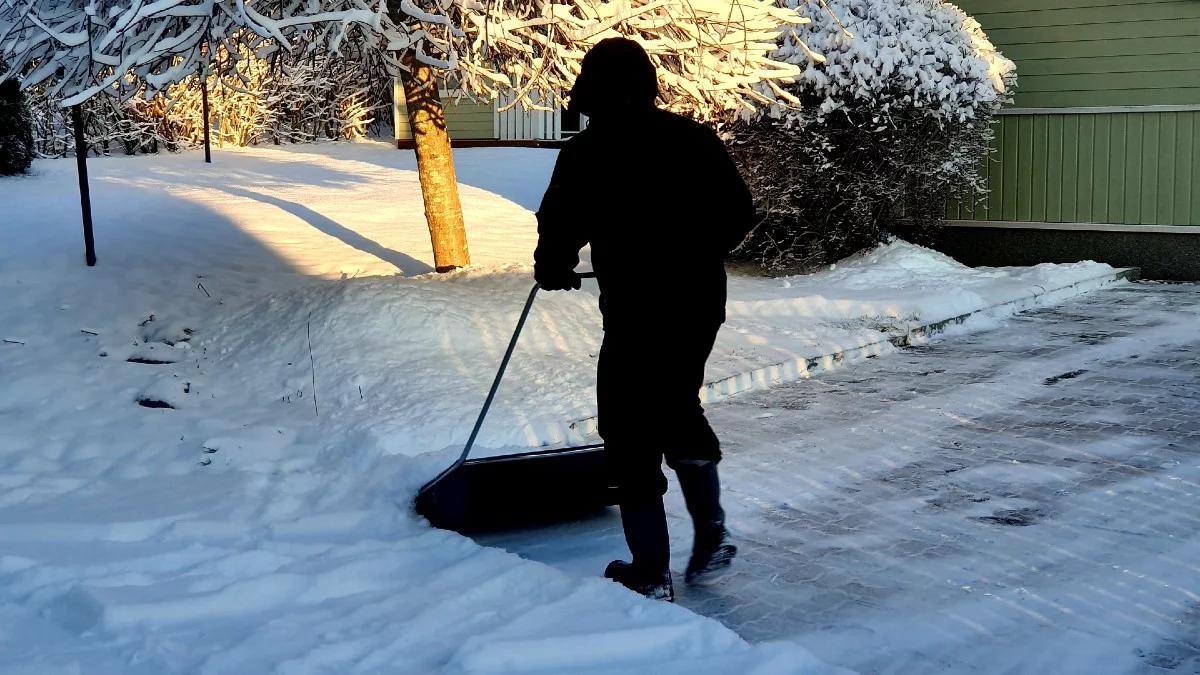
(435,167)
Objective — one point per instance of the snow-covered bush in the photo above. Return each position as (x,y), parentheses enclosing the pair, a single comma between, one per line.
(110,126)
(16,134)
(894,123)
(289,100)
(285,100)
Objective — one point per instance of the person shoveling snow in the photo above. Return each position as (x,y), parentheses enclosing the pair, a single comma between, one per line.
(638,182)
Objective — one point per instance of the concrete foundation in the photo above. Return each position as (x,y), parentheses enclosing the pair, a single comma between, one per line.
(1171,254)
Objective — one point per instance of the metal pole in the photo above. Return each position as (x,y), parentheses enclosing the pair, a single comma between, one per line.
(204,106)
(85,194)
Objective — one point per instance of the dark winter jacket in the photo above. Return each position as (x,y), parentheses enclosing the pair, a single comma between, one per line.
(661,203)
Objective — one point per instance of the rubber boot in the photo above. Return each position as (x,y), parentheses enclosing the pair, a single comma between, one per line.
(645,525)
(712,553)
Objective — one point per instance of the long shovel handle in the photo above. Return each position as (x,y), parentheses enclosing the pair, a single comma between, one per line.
(487,403)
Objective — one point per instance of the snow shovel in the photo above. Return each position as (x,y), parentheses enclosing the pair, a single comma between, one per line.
(526,488)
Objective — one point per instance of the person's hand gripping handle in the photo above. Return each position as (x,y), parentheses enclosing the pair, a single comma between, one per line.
(570,281)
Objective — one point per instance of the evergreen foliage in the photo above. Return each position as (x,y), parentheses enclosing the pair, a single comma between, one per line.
(16,130)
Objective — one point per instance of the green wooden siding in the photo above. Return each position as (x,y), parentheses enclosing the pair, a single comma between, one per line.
(1089,53)
(1125,163)
(464,118)
(1137,168)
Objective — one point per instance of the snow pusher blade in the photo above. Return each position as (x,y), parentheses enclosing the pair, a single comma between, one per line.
(518,489)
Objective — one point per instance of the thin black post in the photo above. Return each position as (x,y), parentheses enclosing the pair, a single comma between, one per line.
(85,194)
(204,110)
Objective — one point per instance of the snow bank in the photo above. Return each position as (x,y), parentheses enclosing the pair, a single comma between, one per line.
(261,525)
(410,360)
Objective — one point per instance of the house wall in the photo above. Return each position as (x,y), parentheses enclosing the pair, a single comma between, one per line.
(465,119)
(1073,53)
(1105,127)
(517,122)
(1128,168)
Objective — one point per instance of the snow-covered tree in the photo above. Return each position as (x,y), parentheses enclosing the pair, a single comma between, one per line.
(713,59)
(714,56)
(131,47)
(893,123)
(81,49)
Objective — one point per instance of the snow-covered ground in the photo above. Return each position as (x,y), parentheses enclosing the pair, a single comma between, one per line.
(275,301)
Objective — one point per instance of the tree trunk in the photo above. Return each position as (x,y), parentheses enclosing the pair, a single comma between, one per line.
(435,166)
(85,193)
(204,112)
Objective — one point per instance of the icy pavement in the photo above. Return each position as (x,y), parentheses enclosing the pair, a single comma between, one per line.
(1022,500)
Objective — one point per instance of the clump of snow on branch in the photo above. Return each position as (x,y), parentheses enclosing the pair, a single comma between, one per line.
(924,54)
(893,125)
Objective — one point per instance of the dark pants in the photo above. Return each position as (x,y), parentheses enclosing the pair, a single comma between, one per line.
(647,389)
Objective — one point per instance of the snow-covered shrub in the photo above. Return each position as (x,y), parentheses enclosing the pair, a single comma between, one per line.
(51,125)
(284,100)
(894,123)
(16,133)
(110,126)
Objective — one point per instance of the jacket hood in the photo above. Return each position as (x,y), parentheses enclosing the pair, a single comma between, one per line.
(617,75)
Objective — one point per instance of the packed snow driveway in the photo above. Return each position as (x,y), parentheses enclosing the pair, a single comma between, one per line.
(1022,499)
